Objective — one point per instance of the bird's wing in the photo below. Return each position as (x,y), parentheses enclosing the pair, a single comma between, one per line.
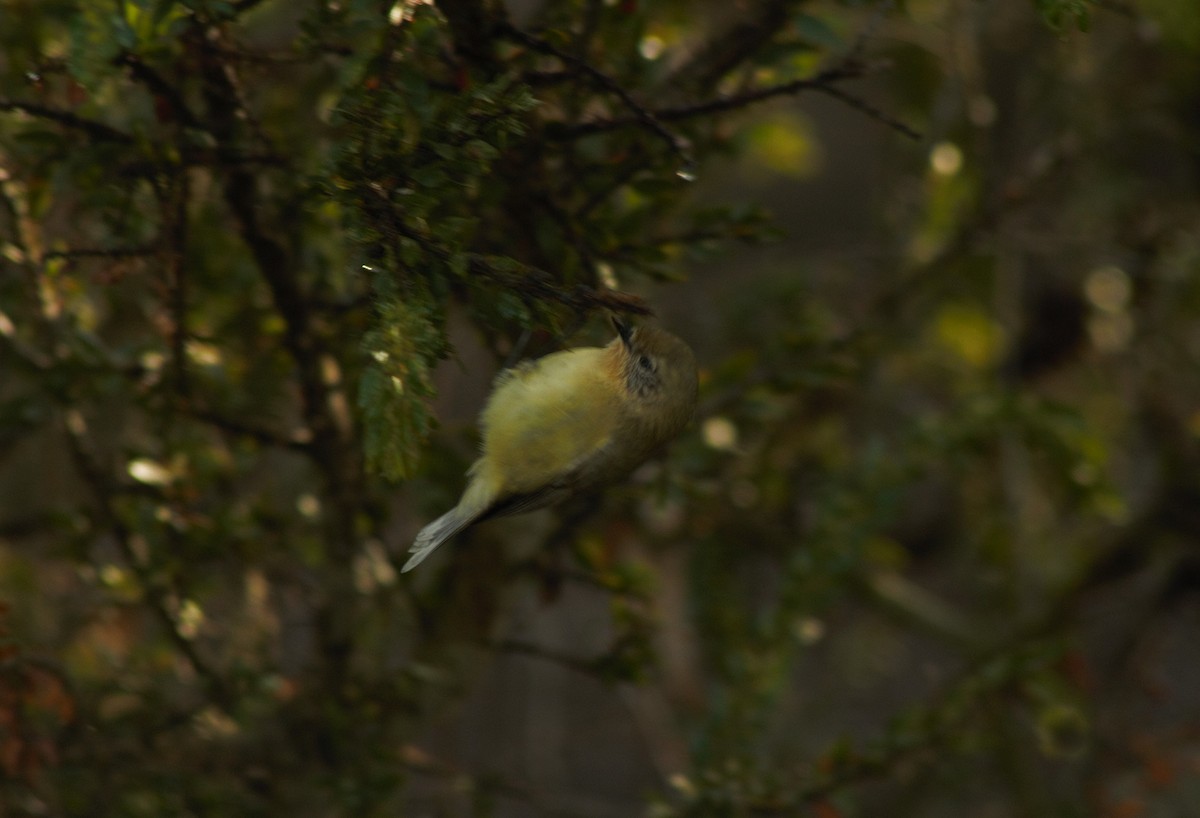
(530,501)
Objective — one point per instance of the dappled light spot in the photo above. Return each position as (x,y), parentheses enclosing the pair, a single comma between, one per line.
(720,433)
(946,159)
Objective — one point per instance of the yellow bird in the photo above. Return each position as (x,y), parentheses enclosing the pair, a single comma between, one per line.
(569,423)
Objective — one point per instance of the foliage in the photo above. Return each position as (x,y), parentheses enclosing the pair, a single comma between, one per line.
(1058,13)
(925,549)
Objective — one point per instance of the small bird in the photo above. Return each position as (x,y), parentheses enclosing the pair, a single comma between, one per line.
(569,423)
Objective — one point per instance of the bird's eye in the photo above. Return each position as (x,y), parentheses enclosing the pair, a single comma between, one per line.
(645,363)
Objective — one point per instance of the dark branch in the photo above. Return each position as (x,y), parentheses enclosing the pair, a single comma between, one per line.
(232,426)
(135,251)
(158,85)
(540,285)
(270,255)
(823,82)
(870,110)
(641,114)
(323,403)
(97,130)
(528,281)
(242,6)
(731,47)
(1121,7)
(103,491)
(472,24)
(585,666)
(173,194)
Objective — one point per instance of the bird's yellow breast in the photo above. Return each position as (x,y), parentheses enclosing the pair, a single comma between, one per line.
(547,417)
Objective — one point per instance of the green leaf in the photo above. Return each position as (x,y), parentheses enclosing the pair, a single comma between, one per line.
(122,31)
(816,30)
(1060,13)
(396,386)
(95,42)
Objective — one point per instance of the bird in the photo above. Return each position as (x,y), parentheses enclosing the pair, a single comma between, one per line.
(570,423)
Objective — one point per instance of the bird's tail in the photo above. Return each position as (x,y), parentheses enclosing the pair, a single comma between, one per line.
(475,501)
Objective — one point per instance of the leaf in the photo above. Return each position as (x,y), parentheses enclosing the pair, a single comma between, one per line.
(1062,730)
(94,43)
(1059,13)
(396,385)
(971,334)
(122,31)
(817,31)
(786,144)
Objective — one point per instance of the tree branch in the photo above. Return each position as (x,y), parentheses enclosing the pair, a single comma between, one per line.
(870,110)
(93,128)
(267,437)
(72,253)
(822,82)
(173,196)
(472,25)
(584,666)
(732,46)
(538,284)
(159,87)
(242,6)
(324,406)
(157,597)
(530,282)
(641,115)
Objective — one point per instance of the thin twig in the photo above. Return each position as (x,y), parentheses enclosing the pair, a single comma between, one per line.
(859,46)
(732,46)
(618,178)
(540,285)
(102,489)
(591,21)
(323,402)
(266,437)
(585,666)
(159,87)
(822,82)
(28,525)
(543,568)
(871,111)
(93,128)
(173,197)
(524,279)
(134,251)
(242,6)
(641,114)
(1121,7)
(419,761)
(472,27)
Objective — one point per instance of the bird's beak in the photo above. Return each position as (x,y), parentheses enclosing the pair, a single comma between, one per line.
(624,330)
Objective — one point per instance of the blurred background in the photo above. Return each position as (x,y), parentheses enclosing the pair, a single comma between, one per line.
(930,548)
